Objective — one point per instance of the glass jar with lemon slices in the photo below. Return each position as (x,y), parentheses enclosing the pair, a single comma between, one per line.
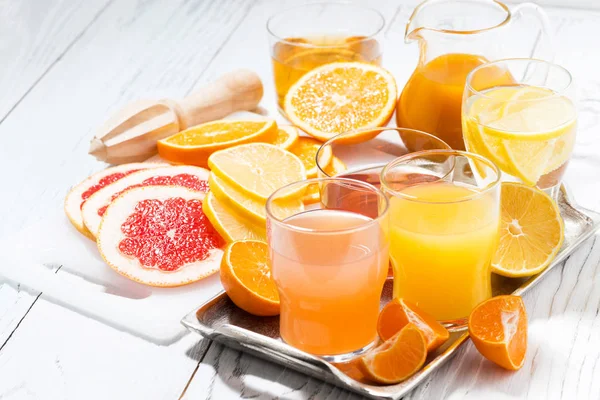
(526,126)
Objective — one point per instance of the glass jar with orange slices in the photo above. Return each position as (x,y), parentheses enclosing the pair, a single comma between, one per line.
(528,127)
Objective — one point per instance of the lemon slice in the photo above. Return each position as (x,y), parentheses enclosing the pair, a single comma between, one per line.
(531,231)
(257,169)
(247,207)
(230,226)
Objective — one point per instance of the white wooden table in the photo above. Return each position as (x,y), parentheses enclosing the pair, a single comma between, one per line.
(66,64)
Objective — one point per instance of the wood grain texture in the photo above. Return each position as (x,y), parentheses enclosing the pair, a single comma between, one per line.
(33,38)
(132,49)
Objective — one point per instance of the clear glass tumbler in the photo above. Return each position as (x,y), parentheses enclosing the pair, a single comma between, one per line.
(444,227)
(305,37)
(329,262)
(362,154)
(527,125)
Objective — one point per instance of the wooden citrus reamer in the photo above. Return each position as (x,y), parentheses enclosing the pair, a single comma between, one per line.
(131,134)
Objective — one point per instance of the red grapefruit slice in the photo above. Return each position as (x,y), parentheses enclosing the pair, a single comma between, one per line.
(81,192)
(194,178)
(159,236)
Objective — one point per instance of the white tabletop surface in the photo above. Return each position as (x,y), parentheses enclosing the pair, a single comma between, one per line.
(67,64)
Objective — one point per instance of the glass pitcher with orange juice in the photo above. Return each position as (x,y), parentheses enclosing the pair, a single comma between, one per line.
(454,37)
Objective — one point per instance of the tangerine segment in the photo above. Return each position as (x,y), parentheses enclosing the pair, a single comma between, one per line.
(287,135)
(246,277)
(82,191)
(159,236)
(193,146)
(340,97)
(498,328)
(400,312)
(230,226)
(397,359)
(531,231)
(257,169)
(306,150)
(194,178)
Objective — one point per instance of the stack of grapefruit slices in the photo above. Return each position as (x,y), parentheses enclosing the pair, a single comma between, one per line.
(148,222)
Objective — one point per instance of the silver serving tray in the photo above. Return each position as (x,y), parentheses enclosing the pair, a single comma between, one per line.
(219,319)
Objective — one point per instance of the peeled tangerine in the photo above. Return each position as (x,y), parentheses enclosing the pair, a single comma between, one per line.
(498,329)
(398,313)
(159,236)
(81,192)
(397,359)
(194,178)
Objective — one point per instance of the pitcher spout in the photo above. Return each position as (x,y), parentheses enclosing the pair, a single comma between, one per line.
(455,17)
(416,23)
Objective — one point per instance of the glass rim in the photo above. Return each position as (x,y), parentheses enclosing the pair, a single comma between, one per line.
(272,218)
(418,154)
(381,129)
(556,93)
(371,36)
(417,9)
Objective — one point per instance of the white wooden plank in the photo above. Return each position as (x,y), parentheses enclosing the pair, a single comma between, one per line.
(33,36)
(228,374)
(133,49)
(58,355)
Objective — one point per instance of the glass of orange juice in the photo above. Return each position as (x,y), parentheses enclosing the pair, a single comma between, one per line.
(329,262)
(527,127)
(305,37)
(444,226)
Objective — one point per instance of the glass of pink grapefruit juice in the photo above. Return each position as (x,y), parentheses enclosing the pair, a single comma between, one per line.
(330,263)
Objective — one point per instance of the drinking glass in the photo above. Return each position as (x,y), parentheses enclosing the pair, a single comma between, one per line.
(329,262)
(526,126)
(363,153)
(444,226)
(305,37)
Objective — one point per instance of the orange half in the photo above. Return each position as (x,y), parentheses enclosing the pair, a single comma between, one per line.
(246,277)
(341,97)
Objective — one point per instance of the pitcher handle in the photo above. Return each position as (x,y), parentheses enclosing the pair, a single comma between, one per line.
(543,47)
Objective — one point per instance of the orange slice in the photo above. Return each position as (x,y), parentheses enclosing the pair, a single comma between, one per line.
(287,135)
(306,150)
(335,167)
(531,231)
(399,312)
(246,277)
(340,97)
(498,329)
(397,359)
(193,146)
